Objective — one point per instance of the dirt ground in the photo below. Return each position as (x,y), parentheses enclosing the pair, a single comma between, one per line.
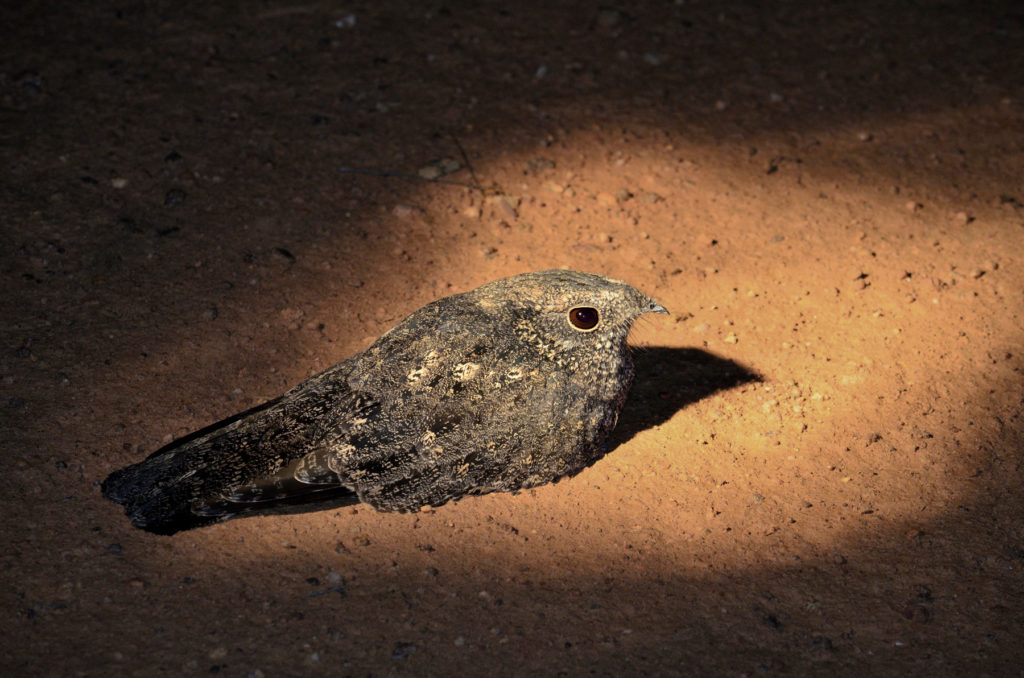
(818,471)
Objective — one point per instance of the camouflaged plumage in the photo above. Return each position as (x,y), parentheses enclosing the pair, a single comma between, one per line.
(501,388)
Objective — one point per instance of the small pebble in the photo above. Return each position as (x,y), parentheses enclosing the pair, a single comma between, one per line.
(439,168)
(731,338)
(118,182)
(450,165)
(284,255)
(505,203)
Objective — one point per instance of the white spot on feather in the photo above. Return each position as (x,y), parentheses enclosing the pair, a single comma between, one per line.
(465,371)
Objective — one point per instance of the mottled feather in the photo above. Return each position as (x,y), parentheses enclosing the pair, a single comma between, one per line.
(498,389)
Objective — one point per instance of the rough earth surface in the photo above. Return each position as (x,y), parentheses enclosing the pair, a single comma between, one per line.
(818,471)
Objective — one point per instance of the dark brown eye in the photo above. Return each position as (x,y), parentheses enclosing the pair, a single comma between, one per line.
(584,318)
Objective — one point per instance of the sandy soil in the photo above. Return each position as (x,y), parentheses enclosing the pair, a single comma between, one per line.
(819,470)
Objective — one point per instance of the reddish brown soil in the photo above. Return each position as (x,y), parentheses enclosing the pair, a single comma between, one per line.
(827,195)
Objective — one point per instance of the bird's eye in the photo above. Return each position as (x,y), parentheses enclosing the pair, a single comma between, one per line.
(584,318)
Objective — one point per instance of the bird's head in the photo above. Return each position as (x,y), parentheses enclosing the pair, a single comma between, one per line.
(567,312)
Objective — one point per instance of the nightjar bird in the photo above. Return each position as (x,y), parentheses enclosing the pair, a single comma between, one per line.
(511,385)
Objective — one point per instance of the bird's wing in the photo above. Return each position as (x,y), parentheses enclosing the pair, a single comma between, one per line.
(350,409)
(455,411)
(248,462)
(292,467)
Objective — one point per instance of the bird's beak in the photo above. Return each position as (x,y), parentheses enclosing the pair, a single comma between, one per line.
(655,307)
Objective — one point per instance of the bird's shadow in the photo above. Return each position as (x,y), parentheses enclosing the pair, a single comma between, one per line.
(667,380)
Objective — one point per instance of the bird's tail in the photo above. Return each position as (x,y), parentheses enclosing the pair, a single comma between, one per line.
(250,463)
(150,500)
